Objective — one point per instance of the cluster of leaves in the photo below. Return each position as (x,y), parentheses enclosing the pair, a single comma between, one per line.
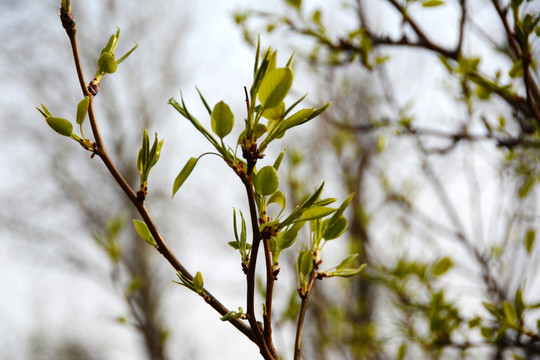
(267,119)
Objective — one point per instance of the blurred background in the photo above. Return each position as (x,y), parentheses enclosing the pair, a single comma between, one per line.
(421,196)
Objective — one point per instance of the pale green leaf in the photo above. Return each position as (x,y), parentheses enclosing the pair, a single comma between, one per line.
(275,86)
(442,266)
(334,228)
(278,198)
(222,119)
(82,109)
(317,212)
(530,236)
(61,126)
(184,173)
(432,3)
(144,232)
(266,181)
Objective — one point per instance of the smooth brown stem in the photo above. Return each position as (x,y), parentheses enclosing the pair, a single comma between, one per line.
(269,295)
(260,340)
(302,315)
(130,193)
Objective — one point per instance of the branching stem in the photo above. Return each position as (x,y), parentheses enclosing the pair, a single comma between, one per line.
(69,25)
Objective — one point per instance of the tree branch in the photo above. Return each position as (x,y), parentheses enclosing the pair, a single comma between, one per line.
(69,24)
(302,315)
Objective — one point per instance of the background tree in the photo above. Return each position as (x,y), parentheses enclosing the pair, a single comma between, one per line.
(134,278)
(454,184)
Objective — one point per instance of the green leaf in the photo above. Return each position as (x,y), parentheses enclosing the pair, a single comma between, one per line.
(297,212)
(442,266)
(266,181)
(45,112)
(232,315)
(509,313)
(222,119)
(526,187)
(82,109)
(204,102)
(297,118)
(277,163)
(278,198)
(106,63)
(518,303)
(349,272)
(517,69)
(317,212)
(61,126)
(334,229)
(347,261)
(127,54)
(305,262)
(111,44)
(295,3)
(184,173)
(275,86)
(432,3)
(274,113)
(289,236)
(144,232)
(198,282)
(530,236)
(142,158)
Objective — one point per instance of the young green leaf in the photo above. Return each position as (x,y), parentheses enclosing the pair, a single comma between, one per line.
(442,266)
(107,63)
(222,119)
(144,232)
(266,181)
(277,198)
(184,173)
(274,113)
(289,236)
(232,315)
(517,69)
(297,212)
(530,236)
(127,54)
(334,228)
(349,272)
(198,282)
(111,44)
(347,261)
(277,163)
(432,3)
(61,126)
(509,313)
(317,212)
(305,262)
(82,109)
(275,86)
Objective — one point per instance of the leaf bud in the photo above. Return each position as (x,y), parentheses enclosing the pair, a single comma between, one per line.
(106,63)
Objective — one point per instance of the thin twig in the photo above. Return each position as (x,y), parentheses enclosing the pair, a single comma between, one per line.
(302,315)
(258,335)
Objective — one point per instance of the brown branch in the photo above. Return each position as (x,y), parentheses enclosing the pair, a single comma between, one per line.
(257,237)
(71,30)
(302,315)
(424,41)
(267,317)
